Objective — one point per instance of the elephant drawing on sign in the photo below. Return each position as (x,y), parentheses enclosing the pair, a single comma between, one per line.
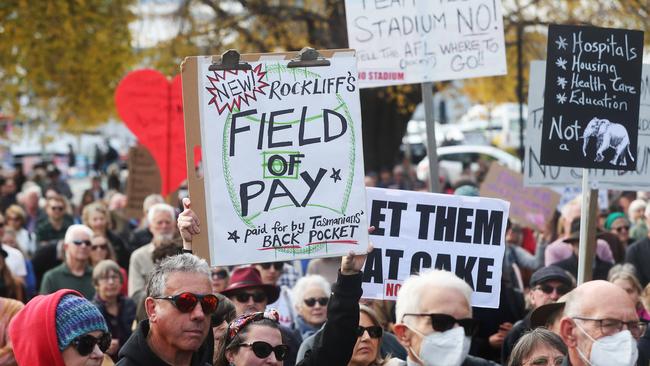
(608,135)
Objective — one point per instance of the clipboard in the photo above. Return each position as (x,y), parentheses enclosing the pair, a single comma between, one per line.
(230,60)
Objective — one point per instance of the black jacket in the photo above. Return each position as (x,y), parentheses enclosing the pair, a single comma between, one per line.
(136,351)
(638,254)
(518,330)
(335,344)
(600,267)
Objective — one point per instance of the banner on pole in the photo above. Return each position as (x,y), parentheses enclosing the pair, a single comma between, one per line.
(415,231)
(537,174)
(282,156)
(591,97)
(416,41)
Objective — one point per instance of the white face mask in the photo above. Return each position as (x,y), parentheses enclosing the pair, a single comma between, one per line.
(619,349)
(448,348)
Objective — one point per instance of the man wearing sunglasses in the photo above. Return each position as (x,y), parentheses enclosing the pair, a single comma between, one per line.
(547,285)
(600,326)
(434,320)
(179,305)
(57,223)
(75,271)
(60,329)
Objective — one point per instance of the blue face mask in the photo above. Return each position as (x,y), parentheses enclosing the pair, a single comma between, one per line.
(449,348)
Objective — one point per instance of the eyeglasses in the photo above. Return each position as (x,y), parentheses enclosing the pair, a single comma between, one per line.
(313,300)
(220,274)
(97,247)
(444,322)
(545,361)
(548,289)
(109,278)
(621,228)
(263,350)
(57,208)
(85,344)
(374,331)
(610,327)
(186,301)
(244,296)
(12,218)
(278,266)
(80,242)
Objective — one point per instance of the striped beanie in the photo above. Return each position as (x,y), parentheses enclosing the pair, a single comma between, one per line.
(76,316)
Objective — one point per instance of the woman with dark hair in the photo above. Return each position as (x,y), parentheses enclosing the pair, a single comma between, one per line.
(8,285)
(539,347)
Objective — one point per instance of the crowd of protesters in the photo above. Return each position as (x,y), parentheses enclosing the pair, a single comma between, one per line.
(82,284)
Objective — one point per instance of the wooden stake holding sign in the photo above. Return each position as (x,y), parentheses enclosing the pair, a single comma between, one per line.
(280,138)
(591,111)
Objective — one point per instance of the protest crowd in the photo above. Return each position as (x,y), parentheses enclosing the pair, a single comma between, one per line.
(292,250)
(85,286)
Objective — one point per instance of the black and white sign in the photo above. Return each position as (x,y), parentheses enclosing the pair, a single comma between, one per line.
(563,178)
(591,99)
(415,231)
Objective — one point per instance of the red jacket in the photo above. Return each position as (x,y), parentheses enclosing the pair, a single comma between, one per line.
(33,331)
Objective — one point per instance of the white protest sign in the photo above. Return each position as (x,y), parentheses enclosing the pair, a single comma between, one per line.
(415,231)
(415,41)
(536,174)
(283,160)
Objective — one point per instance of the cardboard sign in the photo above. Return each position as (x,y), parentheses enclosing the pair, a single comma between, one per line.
(405,42)
(531,207)
(592,95)
(539,175)
(144,179)
(152,108)
(282,159)
(415,231)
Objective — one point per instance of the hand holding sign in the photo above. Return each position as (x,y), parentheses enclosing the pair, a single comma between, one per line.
(188,224)
(353,263)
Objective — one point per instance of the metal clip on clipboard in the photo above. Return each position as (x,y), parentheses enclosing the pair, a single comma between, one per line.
(308,57)
(230,60)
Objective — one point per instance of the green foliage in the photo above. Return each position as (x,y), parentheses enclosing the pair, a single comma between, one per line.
(64,58)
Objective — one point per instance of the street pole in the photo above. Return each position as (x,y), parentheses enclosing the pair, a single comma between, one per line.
(587,247)
(520,92)
(432,153)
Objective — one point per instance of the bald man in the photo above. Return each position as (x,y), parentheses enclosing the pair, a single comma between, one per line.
(600,326)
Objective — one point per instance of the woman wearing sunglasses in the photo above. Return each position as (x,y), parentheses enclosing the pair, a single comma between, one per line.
(367,349)
(310,297)
(539,347)
(59,329)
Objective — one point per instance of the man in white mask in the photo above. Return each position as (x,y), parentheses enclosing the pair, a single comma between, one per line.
(600,326)
(434,320)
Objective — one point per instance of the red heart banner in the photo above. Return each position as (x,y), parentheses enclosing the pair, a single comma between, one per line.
(152,108)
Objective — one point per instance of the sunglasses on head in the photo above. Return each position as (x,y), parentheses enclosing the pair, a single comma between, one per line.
(97,247)
(444,322)
(220,274)
(374,331)
(548,289)
(244,296)
(277,265)
(263,350)
(80,242)
(186,301)
(313,300)
(85,344)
